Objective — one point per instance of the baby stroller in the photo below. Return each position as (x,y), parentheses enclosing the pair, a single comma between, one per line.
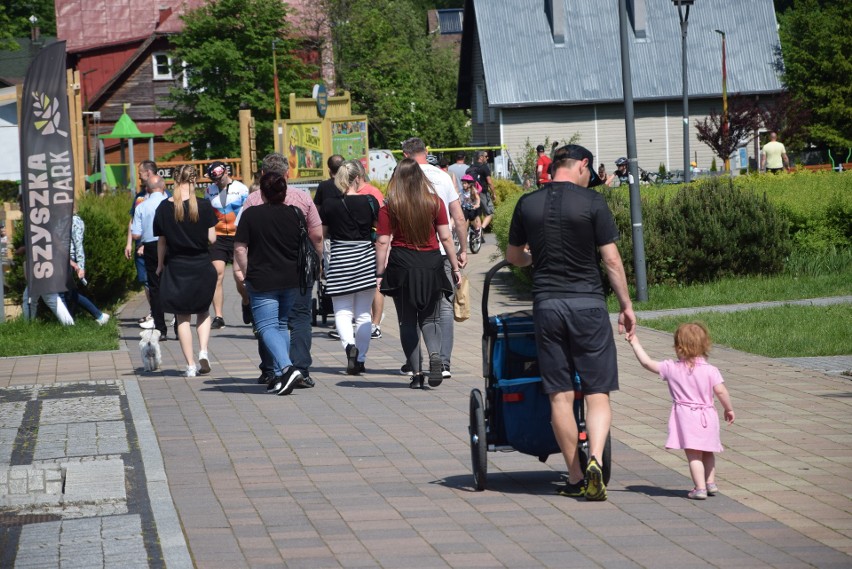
(514,412)
(321,306)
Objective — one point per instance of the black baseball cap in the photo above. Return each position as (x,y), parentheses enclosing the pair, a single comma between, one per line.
(577,152)
(539,148)
(216,170)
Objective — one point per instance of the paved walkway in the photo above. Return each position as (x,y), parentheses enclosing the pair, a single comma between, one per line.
(363,472)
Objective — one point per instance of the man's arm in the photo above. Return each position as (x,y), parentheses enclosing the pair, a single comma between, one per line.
(786,160)
(762,160)
(618,282)
(461,230)
(519,255)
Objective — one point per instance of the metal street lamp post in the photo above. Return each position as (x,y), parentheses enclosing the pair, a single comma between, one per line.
(724,98)
(684,20)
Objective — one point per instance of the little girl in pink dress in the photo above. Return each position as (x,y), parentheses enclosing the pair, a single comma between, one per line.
(694,422)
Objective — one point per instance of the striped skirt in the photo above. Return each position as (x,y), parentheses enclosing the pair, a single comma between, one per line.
(352,267)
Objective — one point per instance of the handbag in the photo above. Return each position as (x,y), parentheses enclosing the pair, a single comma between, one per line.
(308,265)
(461,300)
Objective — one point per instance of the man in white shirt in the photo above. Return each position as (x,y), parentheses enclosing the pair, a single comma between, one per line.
(415,149)
(774,155)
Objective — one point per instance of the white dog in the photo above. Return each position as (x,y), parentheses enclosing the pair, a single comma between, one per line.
(150,346)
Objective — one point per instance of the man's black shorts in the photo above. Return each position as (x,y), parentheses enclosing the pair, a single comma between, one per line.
(223,249)
(575,334)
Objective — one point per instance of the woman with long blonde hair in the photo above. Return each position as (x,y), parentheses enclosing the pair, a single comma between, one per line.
(186,227)
(413,274)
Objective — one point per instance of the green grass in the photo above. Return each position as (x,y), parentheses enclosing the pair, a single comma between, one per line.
(21,338)
(783,332)
(746,289)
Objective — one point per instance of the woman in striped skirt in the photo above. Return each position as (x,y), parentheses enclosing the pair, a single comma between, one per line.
(348,221)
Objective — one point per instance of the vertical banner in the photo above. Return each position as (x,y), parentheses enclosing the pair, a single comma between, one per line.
(47,173)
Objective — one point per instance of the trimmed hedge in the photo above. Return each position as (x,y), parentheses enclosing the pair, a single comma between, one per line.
(109,274)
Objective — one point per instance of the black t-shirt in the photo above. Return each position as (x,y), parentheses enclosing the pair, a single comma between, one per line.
(564,225)
(325,190)
(351,217)
(271,232)
(480,173)
(185,238)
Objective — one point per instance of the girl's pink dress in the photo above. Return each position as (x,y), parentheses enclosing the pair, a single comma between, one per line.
(694,421)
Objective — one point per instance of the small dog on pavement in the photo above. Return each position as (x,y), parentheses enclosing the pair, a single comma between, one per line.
(150,347)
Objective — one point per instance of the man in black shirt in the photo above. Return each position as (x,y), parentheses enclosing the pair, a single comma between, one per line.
(327,189)
(562,230)
(482,174)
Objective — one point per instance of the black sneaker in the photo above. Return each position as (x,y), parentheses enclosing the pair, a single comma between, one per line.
(595,487)
(218,322)
(569,490)
(445,371)
(333,335)
(247,315)
(305,382)
(376,332)
(406,370)
(283,384)
(436,375)
(351,359)
(265,377)
(361,368)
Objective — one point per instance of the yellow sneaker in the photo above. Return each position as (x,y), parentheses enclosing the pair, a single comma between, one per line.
(595,487)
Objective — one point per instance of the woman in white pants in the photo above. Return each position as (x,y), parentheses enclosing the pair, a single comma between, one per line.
(348,221)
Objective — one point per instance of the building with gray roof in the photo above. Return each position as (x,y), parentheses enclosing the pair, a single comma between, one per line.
(532,69)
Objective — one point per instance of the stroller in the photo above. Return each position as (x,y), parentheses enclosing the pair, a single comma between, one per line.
(514,412)
(321,306)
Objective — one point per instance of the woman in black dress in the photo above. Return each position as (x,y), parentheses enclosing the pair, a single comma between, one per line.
(187,275)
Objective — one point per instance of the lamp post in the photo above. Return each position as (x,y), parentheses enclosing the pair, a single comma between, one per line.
(684,20)
(275,83)
(724,98)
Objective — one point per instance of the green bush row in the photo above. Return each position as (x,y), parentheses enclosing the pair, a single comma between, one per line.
(109,274)
(716,227)
(8,191)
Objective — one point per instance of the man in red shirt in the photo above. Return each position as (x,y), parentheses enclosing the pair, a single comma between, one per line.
(542,167)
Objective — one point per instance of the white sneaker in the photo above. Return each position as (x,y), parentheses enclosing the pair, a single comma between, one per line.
(147,325)
(103,318)
(203,363)
(171,322)
(191,371)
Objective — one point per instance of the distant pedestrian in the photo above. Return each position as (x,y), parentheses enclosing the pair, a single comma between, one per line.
(78,266)
(694,422)
(482,174)
(542,166)
(459,168)
(774,155)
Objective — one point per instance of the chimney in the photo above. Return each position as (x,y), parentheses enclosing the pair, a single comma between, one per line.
(638,17)
(165,12)
(555,10)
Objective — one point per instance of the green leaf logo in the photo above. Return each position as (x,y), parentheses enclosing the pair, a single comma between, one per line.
(48,115)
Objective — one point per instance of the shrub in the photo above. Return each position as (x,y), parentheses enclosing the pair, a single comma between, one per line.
(504,189)
(108,272)
(712,230)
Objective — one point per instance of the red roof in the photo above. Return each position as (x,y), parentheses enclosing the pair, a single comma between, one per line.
(95,23)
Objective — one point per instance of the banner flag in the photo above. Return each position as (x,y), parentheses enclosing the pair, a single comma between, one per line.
(47,172)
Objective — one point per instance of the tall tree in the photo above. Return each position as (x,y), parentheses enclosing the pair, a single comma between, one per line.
(19,12)
(744,118)
(226,47)
(404,83)
(817,65)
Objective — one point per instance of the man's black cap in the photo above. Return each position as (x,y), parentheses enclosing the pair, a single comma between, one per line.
(577,152)
(216,170)
(539,148)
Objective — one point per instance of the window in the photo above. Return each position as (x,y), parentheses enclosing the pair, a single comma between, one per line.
(162,64)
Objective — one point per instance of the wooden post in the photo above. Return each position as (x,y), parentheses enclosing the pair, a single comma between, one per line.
(75,120)
(248,150)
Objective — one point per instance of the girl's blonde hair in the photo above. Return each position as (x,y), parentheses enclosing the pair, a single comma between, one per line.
(412,206)
(186,174)
(691,340)
(348,173)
